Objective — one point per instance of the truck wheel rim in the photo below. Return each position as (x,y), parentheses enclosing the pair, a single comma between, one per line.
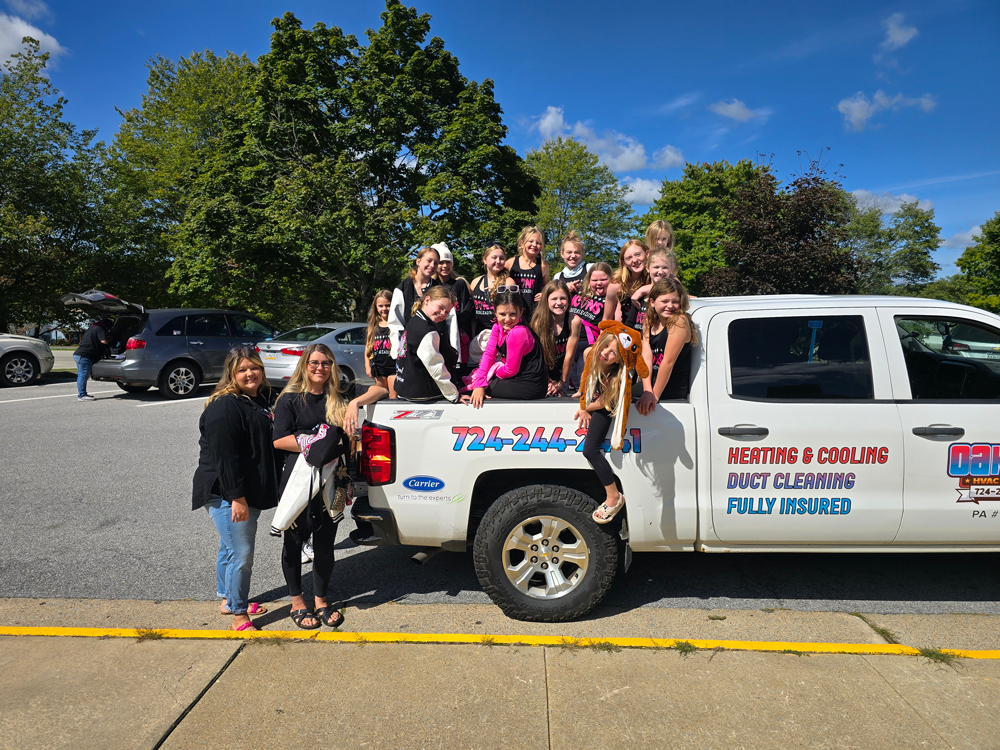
(545,557)
(19,371)
(181,381)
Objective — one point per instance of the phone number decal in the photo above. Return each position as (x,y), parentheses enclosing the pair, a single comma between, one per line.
(476,439)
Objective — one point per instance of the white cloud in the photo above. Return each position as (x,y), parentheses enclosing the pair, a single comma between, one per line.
(896,35)
(734,110)
(679,103)
(859,109)
(668,157)
(962,240)
(551,124)
(642,192)
(29,8)
(13,29)
(889,202)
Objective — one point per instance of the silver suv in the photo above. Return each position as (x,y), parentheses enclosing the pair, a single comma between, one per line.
(175,349)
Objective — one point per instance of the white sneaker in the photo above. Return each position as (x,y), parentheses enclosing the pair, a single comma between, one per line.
(307,552)
(86,398)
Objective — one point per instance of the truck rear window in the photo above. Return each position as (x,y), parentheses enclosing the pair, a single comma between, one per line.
(800,357)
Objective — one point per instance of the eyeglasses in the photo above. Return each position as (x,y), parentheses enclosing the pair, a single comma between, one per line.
(513,288)
(325,364)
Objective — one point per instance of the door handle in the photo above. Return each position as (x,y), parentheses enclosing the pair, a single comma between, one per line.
(744,431)
(199,343)
(939,430)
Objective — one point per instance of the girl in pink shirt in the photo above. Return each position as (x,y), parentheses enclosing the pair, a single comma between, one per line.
(513,364)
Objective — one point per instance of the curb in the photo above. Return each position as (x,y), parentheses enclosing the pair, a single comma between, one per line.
(491,640)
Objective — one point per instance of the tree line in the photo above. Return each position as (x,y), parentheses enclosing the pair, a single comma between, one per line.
(297,185)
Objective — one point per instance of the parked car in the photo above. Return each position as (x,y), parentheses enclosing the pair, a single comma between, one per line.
(23,359)
(346,341)
(175,349)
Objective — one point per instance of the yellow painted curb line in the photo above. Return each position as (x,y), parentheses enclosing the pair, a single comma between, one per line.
(487,640)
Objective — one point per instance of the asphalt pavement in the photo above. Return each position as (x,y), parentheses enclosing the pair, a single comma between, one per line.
(95,500)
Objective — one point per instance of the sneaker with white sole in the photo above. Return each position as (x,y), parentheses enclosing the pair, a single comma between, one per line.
(307,552)
(86,398)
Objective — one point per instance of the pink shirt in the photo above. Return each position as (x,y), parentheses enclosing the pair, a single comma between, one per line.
(519,343)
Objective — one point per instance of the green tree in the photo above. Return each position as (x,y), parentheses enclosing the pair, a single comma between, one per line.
(914,237)
(786,241)
(347,156)
(51,179)
(693,205)
(980,264)
(870,241)
(578,192)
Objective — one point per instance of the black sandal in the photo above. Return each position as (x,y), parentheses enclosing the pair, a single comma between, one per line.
(330,616)
(298,615)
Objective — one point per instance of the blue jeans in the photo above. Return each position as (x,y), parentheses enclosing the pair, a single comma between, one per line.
(234,563)
(83,365)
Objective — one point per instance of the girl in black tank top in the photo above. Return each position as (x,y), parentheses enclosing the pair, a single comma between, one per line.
(667,337)
(528,270)
(558,331)
(494,260)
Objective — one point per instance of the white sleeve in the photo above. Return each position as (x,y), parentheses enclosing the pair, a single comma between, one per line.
(430,354)
(396,319)
(453,332)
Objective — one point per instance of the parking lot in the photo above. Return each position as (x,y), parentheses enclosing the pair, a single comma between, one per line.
(96,504)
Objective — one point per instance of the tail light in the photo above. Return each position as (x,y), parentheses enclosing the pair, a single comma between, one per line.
(135,344)
(257,349)
(959,347)
(293,352)
(378,456)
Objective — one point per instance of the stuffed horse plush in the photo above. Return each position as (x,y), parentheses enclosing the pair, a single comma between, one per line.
(630,353)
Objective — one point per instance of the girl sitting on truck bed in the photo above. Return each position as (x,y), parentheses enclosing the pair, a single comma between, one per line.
(667,338)
(513,364)
(426,359)
(559,332)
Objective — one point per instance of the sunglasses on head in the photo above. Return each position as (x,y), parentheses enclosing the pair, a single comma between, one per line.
(513,288)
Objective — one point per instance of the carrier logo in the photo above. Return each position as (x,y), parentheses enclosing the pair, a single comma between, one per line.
(423,484)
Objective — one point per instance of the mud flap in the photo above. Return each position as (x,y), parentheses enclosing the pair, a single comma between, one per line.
(623,535)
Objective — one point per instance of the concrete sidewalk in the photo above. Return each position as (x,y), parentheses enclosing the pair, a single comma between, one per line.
(271,692)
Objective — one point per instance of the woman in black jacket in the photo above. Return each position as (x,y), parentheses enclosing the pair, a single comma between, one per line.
(236,477)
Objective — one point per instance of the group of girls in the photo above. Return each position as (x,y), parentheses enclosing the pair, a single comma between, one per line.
(515,334)
(249,444)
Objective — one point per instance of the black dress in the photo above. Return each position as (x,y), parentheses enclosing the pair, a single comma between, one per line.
(383,365)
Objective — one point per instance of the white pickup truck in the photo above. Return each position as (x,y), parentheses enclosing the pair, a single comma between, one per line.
(814,424)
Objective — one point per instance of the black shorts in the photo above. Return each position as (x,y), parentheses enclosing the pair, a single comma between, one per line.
(383,368)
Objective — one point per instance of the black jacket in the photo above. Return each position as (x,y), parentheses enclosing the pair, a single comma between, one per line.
(237,455)
(91,346)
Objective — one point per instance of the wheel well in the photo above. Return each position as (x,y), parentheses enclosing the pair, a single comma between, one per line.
(22,353)
(492,484)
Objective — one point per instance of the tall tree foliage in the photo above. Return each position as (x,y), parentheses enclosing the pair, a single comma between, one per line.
(347,156)
(694,206)
(981,265)
(578,192)
(786,240)
(51,177)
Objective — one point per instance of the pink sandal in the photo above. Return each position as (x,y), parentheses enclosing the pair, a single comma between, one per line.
(253,609)
(244,626)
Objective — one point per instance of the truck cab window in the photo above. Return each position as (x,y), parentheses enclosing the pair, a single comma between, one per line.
(803,357)
(950,358)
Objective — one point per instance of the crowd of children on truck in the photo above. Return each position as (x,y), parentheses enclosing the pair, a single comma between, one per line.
(512,333)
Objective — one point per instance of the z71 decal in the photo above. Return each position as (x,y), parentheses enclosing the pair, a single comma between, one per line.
(418,414)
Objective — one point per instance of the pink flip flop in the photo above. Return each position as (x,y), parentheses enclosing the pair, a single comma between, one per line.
(253,609)
(245,626)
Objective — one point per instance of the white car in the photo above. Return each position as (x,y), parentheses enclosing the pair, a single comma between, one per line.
(23,359)
(346,340)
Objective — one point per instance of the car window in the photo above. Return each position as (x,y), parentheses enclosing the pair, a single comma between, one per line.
(351,336)
(174,328)
(950,358)
(311,333)
(207,325)
(801,357)
(244,325)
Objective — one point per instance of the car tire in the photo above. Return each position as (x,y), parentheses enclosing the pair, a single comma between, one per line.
(179,379)
(346,377)
(19,369)
(133,388)
(535,519)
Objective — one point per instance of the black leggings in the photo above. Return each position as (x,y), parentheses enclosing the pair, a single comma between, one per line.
(600,423)
(316,521)
(516,389)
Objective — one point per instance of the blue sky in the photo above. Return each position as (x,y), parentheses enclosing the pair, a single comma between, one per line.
(905,94)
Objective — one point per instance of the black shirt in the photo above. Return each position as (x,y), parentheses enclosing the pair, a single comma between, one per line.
(679,384)
(237,457)
(486,316)
(530,281)
(90,344)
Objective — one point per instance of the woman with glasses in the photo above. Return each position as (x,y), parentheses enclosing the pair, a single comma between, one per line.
(313,398)
(237,475)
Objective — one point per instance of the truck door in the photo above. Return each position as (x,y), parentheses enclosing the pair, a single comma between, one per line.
(806,444)
(946,376)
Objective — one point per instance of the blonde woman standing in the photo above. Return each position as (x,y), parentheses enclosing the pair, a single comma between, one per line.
(236,476)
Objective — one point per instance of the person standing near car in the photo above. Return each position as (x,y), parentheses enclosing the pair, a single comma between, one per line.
(237,475)
(93,348)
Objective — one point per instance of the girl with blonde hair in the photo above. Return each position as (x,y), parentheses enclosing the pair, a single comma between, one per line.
(667,338)
(528,269)
(631,274)
(660,234)
(425,366)
(379,364)
(662,265)
(572,252)
(484,288)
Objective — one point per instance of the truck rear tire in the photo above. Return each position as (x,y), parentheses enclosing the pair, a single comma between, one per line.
(541,557)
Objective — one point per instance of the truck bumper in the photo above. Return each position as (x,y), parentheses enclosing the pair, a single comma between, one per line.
(376,527)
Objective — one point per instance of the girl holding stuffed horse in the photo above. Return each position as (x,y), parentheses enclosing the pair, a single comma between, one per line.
(605,396)
(667,339)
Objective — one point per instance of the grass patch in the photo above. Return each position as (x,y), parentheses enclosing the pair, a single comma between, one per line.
(148,634)
(268,640)
(794,652)
(716,617)
(605,646)
(884,633)
(360,640)
(571,644)
(769,610)
(488,640)
(936,654)
(685,648)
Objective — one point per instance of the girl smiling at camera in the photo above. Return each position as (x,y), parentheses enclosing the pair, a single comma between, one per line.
(631,275)
(559,332)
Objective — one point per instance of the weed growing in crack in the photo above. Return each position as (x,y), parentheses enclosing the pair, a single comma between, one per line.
(685,648)
(148,634)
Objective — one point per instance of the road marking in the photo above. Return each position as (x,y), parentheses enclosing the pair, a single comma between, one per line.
(166,403)
(39,398)
(511,640)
